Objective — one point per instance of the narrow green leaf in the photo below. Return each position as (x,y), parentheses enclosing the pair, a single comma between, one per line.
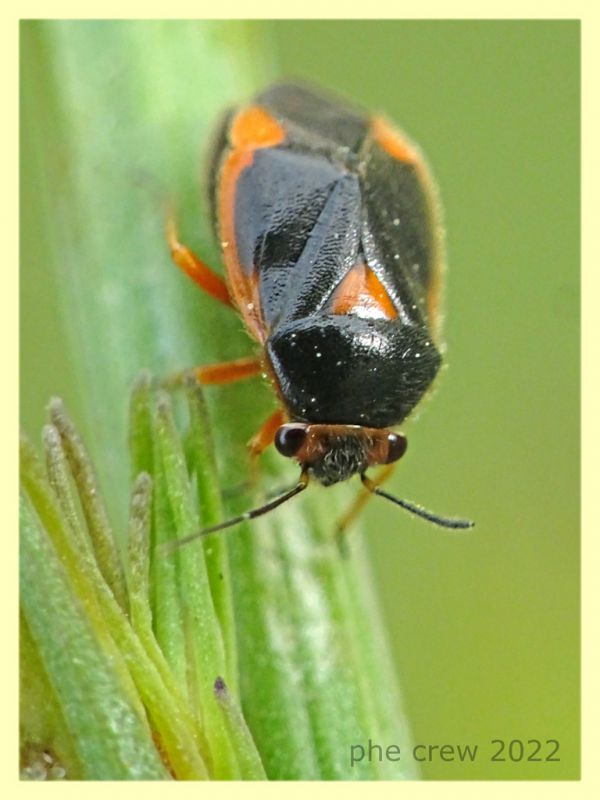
(61,481)
(96,517)
(203,466)
(139,590)
(138,578)
(206,651)
(164,589)
(140,427)
(251,767)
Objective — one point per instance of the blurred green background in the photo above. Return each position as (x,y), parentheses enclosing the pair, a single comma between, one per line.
(484,626)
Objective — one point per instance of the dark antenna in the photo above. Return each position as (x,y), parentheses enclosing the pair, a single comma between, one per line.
(169,547)
(419,511)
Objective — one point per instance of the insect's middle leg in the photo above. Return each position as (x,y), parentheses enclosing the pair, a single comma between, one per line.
(218,374)
(228,371)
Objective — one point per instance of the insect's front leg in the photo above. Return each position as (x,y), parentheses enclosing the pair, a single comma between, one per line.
(360,500)
(262,439)
(265,436)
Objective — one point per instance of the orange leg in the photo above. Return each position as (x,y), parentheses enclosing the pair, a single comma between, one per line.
(215,374)
(228,371)
(265,436)
(188,262)
(361,499)
(262,439)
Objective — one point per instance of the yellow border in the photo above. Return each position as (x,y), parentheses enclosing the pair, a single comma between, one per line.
(589,13)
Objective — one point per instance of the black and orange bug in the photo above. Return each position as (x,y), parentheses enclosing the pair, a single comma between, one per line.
(329,230)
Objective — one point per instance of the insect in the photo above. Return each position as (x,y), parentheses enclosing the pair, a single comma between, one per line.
(329,229)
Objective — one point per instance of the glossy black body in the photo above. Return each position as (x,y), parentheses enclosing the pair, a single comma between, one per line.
(306,212)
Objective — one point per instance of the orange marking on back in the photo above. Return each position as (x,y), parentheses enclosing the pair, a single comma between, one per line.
(393,142)
(244,286)
(399,146)
(362,293)
(254,127)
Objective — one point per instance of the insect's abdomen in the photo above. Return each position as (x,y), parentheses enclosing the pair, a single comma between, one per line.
(331,241)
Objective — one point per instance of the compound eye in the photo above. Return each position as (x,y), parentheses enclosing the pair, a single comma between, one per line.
(289,439)
(397,445)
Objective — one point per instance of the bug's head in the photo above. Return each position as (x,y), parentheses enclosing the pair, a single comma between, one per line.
(333,453)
